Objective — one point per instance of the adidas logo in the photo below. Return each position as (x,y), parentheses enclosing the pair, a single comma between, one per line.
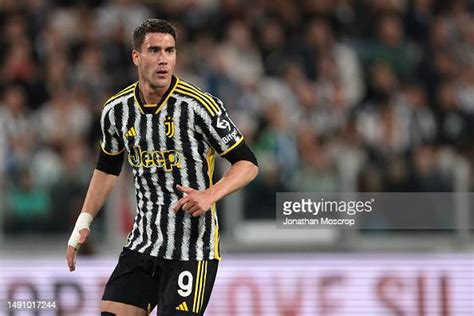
(131,132)
(182,307)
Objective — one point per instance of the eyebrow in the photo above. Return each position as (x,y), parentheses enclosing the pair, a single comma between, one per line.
(161,47)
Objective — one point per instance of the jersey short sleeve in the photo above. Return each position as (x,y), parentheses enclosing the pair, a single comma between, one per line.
(218,129)
(111,141)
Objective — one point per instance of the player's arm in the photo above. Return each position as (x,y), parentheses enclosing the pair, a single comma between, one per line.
(102,182)
(109,165)
(243,170)
(235,178)
(223,136)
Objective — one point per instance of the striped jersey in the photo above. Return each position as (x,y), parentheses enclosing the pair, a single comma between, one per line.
(173,142)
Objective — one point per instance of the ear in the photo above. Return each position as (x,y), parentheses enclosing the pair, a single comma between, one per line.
(136,57)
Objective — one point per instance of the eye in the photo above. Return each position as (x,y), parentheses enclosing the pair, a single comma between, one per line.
(170,50)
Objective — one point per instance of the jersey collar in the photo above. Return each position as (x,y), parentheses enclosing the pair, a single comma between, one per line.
(155,108)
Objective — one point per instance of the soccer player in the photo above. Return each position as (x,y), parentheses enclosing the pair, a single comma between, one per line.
(170,131)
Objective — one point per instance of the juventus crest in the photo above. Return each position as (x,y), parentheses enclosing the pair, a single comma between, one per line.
(169,124)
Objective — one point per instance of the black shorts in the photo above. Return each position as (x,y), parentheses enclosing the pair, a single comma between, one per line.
(177,287)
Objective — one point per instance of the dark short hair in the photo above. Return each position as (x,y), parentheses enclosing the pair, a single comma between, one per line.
(151,26)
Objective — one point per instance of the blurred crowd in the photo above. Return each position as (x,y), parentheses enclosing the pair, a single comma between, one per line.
(332,95)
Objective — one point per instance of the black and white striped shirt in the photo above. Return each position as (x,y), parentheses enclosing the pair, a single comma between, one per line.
(174,143)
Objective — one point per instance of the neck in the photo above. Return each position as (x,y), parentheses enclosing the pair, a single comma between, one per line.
(150,94)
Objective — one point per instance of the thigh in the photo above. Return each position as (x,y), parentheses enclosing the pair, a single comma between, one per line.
(185,286)
(132,282)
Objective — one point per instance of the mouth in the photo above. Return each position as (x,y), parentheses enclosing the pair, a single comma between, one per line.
(161,72)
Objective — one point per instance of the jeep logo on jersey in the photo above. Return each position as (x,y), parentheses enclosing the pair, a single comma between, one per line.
(166,159)
(169,124)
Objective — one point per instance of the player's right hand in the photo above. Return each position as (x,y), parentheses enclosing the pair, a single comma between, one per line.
(71,251)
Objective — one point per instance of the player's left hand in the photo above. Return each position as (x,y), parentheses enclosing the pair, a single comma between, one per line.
(194,202)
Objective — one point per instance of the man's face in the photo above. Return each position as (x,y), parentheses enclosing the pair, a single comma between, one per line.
(156,60)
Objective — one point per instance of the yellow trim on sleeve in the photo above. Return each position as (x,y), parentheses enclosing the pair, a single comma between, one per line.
(111,154)
(232,147)
(128,89)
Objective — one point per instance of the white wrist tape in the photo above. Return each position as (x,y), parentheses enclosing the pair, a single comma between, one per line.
(83,221)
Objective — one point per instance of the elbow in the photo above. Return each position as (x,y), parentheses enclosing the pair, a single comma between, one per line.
(253,172)
(248,170)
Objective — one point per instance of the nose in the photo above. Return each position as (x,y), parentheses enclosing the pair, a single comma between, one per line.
(162,58)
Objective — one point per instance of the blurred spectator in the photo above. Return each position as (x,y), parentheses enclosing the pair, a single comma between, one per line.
(275,144)
(391,47)
(345,66)
(17,130)
(18,64)
(317,171)
(239,55)
(396,176)
(420,120)
(272,39)
(453,121)
(62,119)
(382,83)
(70,187)
(28,205)
(427,176)
(121,13)
(384,129)
(417,19)
(89,73)
(13,111)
